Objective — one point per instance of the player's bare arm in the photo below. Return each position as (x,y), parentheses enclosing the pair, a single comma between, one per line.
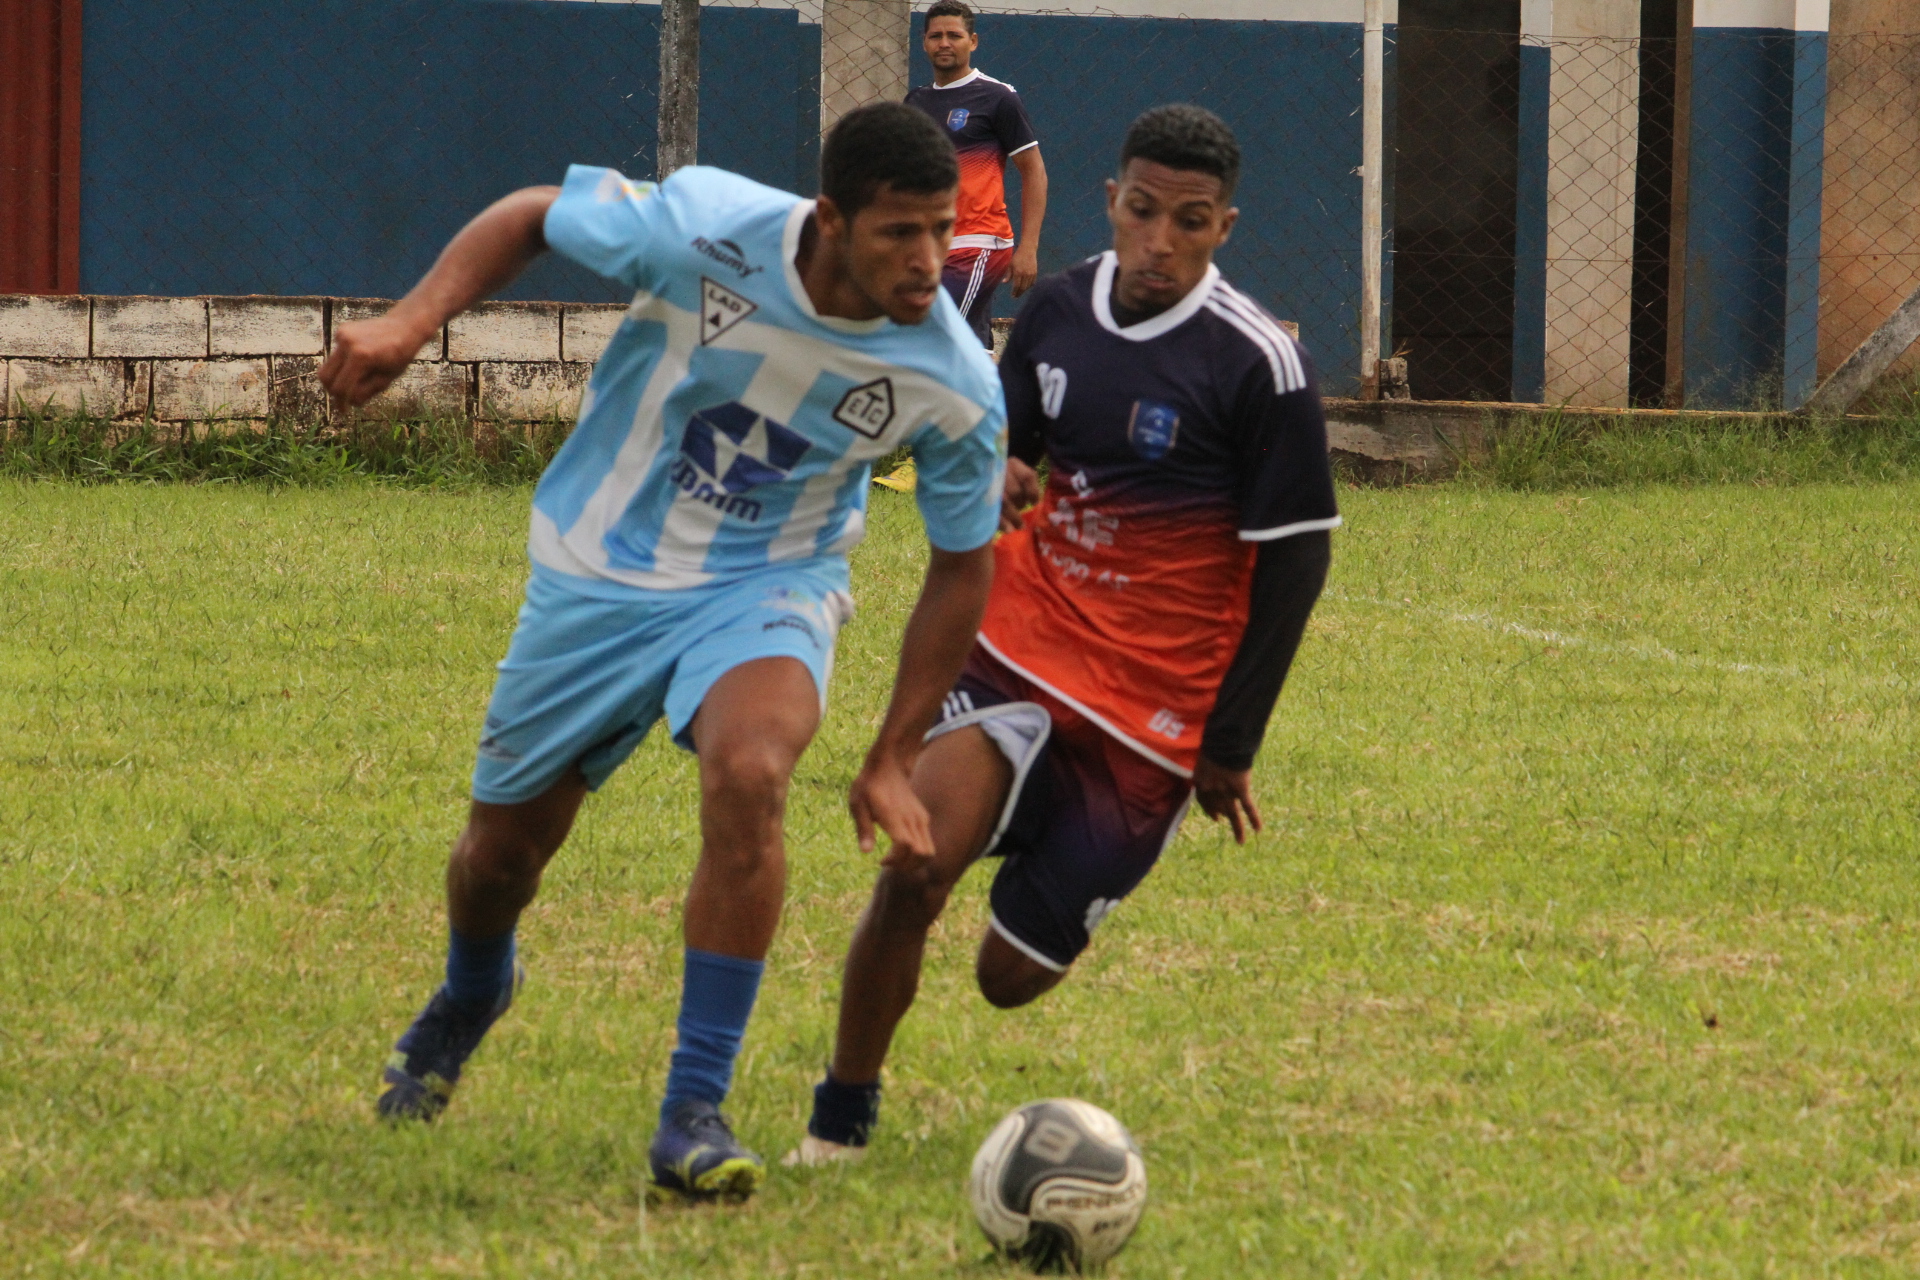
(1022,491)
(938,637)
(482,259)
(1033,215)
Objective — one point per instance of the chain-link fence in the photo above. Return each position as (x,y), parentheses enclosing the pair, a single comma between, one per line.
(1710,222)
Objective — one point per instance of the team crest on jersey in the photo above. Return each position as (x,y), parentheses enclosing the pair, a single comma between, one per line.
(1153,429)
(728,450)
(957,119)
(720,309)
(867,408)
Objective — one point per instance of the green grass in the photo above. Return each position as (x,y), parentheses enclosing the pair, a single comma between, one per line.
(1583,940)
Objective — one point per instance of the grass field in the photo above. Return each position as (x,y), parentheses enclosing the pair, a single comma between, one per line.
(1584,938)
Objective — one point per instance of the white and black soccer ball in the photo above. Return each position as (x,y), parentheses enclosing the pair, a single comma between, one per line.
(1059,1184)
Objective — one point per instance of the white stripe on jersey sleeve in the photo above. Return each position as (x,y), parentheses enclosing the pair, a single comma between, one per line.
(1288,530)
(1266,344)
(1230,304)
(1288,346)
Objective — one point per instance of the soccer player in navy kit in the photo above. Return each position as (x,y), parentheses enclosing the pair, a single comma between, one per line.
(1144,610)
(989,127)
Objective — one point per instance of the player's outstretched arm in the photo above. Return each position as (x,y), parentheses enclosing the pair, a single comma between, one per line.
(484,258)
(938,637)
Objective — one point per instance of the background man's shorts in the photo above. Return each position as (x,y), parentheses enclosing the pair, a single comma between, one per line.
(585,677)
(1086,819)
(972,276)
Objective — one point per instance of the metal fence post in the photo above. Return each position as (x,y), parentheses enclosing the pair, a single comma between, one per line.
(1372,140)
(679,85)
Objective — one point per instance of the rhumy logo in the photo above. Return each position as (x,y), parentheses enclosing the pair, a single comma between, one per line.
(728,450)
(720,309)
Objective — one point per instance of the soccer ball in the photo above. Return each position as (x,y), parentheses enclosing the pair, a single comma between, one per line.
(1059,1184)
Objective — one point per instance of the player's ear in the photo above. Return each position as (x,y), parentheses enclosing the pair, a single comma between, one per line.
(1227,220)
(827,216)
(1113,195)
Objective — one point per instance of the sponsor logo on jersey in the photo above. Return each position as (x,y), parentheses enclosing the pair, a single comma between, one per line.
(727,451)
(720,309)
(1053,387)
(1152,430)
(727,254)
(867,408)
(957,119)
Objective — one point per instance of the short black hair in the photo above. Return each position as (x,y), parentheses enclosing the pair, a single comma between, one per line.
(885,144)
(950,9)
(1183,136)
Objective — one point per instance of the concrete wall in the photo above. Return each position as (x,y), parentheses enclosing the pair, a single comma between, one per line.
(864,55)
(250,358)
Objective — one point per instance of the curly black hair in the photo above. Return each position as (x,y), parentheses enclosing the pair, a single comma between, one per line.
(885,144)
(1183,136)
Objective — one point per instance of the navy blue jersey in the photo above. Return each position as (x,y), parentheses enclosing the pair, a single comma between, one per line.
(987,124)
(1176,445)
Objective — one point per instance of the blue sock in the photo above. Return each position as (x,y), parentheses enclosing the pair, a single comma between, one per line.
(478,969)
(716,999)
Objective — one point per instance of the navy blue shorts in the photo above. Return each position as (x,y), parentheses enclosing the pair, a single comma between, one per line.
(972,277)
(1085,821)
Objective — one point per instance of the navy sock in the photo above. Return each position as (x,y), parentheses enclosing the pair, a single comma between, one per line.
(716,999)
(478,969)
(844,1113)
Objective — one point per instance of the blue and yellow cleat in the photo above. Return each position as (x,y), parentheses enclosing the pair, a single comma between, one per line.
(426,1061)
(695,1157)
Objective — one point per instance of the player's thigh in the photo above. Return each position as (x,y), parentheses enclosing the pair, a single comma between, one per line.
(753,724)
(750,687)
(963,777)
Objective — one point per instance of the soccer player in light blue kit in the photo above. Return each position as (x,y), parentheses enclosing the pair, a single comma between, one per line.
(689,556)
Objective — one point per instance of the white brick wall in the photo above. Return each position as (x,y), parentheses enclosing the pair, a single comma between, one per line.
(149,327)
(194,359)
(31,326)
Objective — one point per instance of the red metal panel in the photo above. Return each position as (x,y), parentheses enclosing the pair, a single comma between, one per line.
(39,146)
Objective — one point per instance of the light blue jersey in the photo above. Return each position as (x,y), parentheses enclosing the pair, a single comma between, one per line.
(730,427)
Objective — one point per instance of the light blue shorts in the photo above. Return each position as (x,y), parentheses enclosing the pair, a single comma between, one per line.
(586,676)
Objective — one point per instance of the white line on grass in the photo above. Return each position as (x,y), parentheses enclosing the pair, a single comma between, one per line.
(1652,653)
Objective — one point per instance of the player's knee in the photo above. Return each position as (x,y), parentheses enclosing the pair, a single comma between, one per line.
(1010,986)
(746,778)
(911,897)
(500,864)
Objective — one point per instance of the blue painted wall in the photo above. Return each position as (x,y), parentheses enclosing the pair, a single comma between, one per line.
(332,146)
(1530,227)
(1738,216)
(1291,91)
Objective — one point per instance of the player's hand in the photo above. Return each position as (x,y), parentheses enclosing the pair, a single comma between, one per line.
(367,356)
(1026,268)
(883,796)
(1022,491)
(1226,794)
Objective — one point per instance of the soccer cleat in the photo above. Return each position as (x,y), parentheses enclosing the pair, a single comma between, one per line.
(426,1061)
(695,1157)
(815,1153)
(901,479)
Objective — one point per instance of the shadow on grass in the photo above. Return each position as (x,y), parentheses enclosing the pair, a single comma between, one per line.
(438,451)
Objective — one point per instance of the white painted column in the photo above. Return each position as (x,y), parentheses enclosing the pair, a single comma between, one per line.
(1593,138)
(863,55)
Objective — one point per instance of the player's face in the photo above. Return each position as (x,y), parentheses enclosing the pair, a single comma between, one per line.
(1166,225)
(948,44)
(894,250)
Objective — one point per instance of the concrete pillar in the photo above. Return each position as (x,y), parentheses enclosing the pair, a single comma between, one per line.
(863,55)
(1593,139)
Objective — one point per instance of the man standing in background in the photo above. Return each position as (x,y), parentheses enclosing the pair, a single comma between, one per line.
(988,127)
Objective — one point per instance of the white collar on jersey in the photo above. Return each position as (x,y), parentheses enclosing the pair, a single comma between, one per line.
(969,78)
(1172,318)
(790,250)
